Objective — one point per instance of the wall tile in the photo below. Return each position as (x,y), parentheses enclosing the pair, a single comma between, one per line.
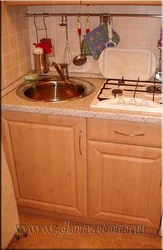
(122,9)
(4,28)
(21,53)
(11,22)
(10,10)
(151,39)
(23,68)
(3,81)
(27,52)
(3,12)
(25,23)
(7,62)
(14,58)
(138,9)
(137,23)
(13,42)
(121,23)
(9,77)
(5,45)
(19,24)
(16,73)
(106,8)
(20,40)
(154,10)
(13,38)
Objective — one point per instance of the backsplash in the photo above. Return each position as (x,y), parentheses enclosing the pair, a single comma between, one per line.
(134,32)
(19,34)
(16,60)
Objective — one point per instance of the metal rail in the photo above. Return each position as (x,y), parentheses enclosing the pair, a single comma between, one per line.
(93,14)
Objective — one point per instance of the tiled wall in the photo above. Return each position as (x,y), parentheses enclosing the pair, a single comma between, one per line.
(16,59)
(135,32)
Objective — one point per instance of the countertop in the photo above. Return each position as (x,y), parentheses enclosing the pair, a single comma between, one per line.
(79,107)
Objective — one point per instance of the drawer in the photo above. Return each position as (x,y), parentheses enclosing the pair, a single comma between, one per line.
(124,132)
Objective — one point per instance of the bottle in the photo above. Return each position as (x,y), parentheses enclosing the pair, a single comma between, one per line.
(37,53)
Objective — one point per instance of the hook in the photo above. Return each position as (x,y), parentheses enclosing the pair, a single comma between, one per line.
(88,17)
(65,18)
(101,19)
(109,18)
(62,20)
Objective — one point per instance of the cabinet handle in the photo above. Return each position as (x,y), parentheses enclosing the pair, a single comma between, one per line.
(161,180)
(80,135)
(131,135)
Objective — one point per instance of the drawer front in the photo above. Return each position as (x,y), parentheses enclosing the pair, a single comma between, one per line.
(124,132)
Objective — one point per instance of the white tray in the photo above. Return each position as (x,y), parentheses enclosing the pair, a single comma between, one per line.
(129,63)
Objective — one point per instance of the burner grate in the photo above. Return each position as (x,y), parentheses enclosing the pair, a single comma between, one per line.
(126,85)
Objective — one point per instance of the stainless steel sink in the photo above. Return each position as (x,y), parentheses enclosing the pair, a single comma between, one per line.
(55,90)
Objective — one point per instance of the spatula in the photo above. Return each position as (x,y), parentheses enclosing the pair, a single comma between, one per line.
(110,42)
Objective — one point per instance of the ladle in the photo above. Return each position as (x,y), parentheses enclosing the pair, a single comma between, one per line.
(81,59)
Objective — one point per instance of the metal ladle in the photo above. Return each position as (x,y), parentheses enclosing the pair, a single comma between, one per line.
(81,59)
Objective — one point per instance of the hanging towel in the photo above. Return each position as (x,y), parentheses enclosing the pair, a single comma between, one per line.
(95,41)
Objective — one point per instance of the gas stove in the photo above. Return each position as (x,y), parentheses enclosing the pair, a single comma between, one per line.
(135,95)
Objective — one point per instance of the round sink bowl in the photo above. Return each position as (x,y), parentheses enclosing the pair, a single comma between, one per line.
(51,90)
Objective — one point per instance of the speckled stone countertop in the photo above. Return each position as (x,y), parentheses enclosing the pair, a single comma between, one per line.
(80,107)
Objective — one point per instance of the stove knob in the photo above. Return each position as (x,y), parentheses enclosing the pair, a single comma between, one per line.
(132,101)
(121,101)
(144,103)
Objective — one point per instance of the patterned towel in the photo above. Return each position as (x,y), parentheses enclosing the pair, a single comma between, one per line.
(95,41)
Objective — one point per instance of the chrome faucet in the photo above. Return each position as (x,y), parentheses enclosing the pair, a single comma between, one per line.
(63,72)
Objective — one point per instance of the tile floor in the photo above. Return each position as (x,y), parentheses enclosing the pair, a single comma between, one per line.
(42,240)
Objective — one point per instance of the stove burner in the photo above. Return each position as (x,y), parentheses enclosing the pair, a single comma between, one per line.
(153,88)
(116,92)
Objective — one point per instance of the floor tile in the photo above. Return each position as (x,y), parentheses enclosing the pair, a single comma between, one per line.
(53,234)
(123,244)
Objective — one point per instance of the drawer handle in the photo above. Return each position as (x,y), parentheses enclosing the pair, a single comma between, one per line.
(131,135)
(80,135)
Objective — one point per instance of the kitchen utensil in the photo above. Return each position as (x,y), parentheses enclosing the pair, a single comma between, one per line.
(127,63)
(81,59)
(110,43)
(67,55)
(85,48)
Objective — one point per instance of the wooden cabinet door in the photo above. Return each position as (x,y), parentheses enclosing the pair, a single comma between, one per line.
(124,183)
(47,161)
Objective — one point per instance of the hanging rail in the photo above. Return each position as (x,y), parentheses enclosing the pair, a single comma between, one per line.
(94,14)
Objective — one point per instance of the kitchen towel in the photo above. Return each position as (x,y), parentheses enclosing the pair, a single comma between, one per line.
(95,41)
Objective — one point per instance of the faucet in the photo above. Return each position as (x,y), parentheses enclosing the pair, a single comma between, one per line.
(63,72)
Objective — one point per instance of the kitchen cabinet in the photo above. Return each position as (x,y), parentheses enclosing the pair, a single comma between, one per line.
(43,2)
(85,2)
(120,2)
(116,180)
(124,172)
(47,159)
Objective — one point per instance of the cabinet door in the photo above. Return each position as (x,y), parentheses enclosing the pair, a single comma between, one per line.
(48,161)
(124,183)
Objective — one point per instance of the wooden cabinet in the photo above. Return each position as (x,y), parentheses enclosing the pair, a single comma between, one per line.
(119,175)
(43,2)
(47,159)
(85,2)
(124,174)
(122,2)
